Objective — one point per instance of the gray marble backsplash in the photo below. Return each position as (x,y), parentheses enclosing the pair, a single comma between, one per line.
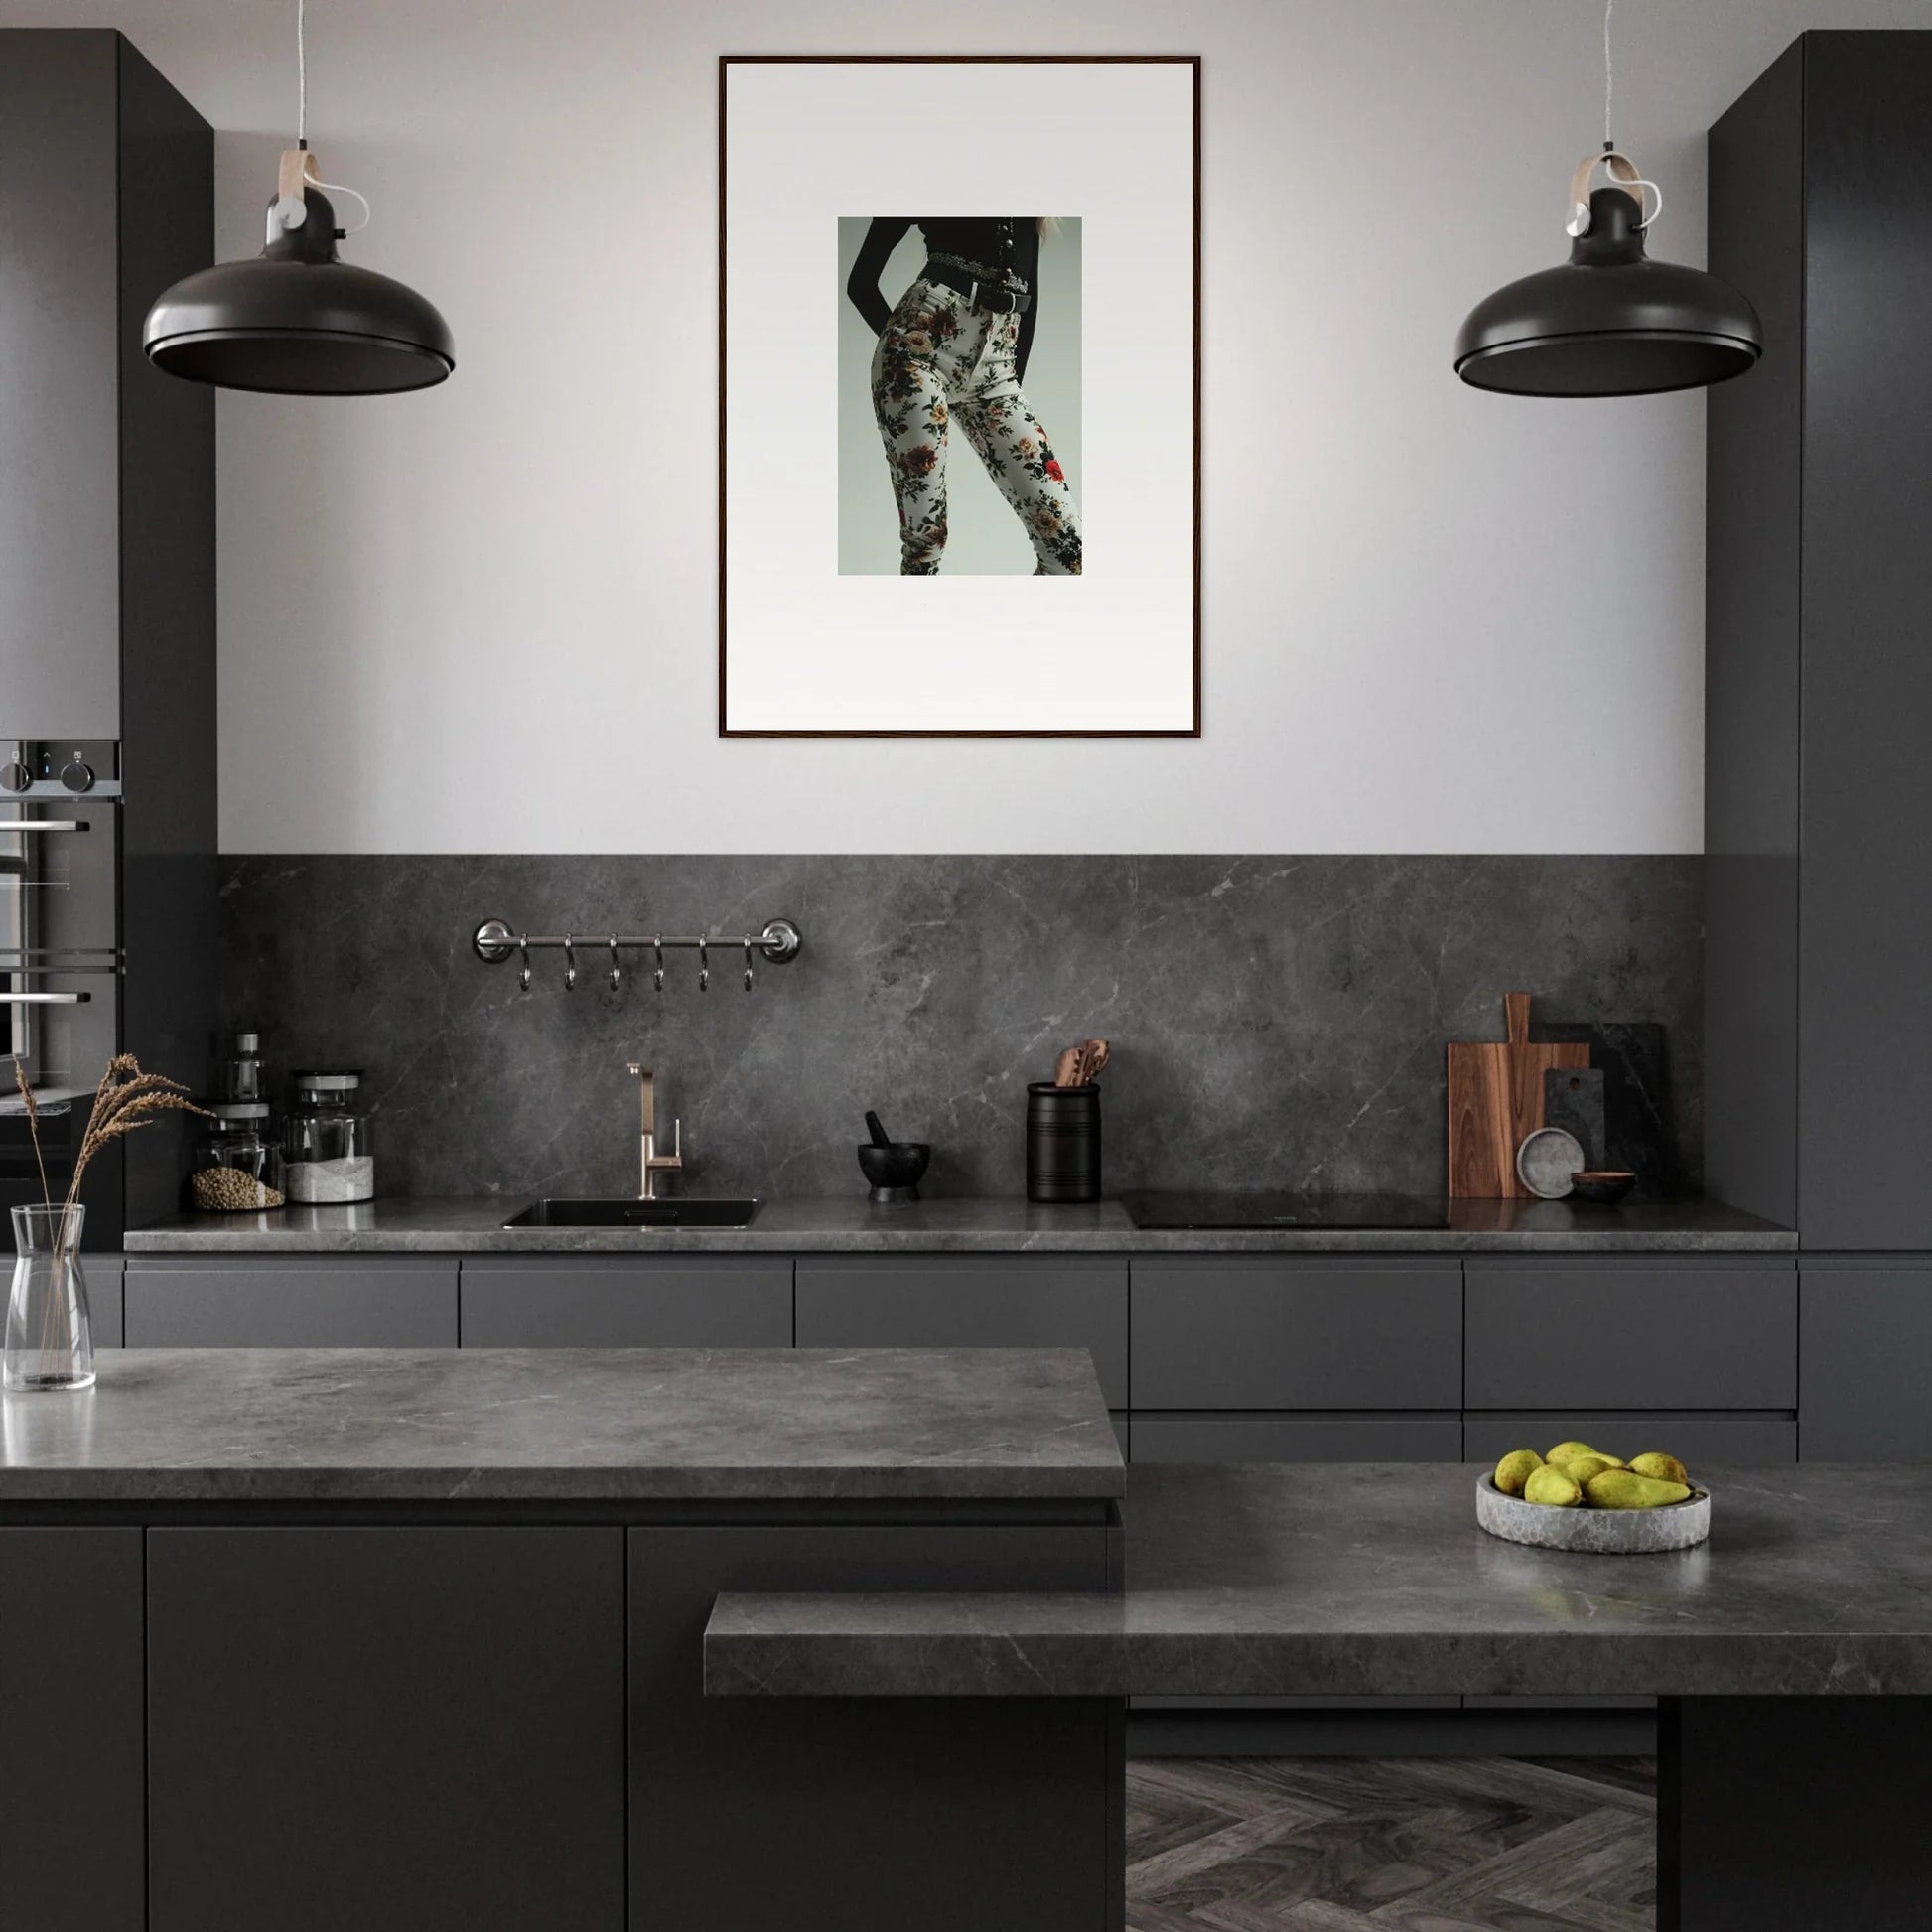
(1275,1022)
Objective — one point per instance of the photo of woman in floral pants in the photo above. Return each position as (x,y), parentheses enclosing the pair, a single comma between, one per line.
(954,350)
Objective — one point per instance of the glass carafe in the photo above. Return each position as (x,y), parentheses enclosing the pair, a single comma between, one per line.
(49,1335)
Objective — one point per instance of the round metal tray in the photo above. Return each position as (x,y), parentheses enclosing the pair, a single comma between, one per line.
(1597,1532)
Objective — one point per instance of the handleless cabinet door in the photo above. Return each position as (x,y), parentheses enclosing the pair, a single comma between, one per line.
(60,385)
(292,1302)
(616,1301)
(1866,1329)
(1266,1332)
(1606,1334)
(947,1302)
(408,1729)
(73,1836)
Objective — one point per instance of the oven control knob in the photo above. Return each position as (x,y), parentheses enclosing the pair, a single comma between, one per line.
(77,777)
(14,776)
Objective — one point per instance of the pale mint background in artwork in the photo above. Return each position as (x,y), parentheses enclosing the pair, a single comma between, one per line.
(985,537)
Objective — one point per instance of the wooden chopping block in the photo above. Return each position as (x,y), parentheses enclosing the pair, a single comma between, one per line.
(1495,1100)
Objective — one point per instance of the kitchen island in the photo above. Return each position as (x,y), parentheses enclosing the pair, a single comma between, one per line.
(1793,1651)
(413,1639)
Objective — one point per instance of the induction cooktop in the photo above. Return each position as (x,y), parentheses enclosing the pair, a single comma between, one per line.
(1162,1209)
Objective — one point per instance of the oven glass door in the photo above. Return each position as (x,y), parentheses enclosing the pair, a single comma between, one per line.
(60,977)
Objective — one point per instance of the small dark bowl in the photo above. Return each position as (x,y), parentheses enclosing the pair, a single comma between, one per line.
(894,1169)
(1606,1187)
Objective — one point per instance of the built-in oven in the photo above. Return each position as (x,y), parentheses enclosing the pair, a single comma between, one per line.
(60,961)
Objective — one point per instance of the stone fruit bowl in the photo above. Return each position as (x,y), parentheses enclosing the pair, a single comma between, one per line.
(1600,1531)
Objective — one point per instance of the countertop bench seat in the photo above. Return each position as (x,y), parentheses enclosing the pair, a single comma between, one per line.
(1373,1579)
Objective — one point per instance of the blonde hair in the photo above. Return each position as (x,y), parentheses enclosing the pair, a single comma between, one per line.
(1049,226)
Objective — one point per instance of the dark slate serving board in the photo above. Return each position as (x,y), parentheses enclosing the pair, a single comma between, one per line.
(1638,1135)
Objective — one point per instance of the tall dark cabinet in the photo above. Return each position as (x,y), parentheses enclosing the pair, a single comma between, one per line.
(107,697)
(1818,1021)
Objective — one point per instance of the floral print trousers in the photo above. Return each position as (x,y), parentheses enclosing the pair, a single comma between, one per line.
(939,361)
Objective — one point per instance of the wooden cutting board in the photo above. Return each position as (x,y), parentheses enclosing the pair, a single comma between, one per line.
(1495,1100)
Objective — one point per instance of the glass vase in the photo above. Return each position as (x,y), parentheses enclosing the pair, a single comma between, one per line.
(49,1335)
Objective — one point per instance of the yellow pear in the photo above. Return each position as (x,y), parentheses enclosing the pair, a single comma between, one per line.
(1579,1469)
(1564,1450)
(1623,1489)
(1515,1470)
(1666,1469)
(1551,1486)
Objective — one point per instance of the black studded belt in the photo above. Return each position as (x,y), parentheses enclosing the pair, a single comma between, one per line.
(993,298)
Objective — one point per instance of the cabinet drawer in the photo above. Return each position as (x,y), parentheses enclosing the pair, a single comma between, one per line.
(103,1273)
(700,1301)
(1634,1334)
(268,1302)
(1740,1440)
(1269,1334)
(1025,1302)
(1868,1362)
(1298,1439)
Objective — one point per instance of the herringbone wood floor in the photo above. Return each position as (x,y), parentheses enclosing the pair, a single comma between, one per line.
(1391,1844)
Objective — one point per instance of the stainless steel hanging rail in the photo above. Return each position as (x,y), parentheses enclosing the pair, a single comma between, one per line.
(495,940)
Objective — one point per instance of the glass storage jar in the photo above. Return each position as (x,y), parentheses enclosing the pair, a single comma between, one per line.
(329,1152)
(238,1163)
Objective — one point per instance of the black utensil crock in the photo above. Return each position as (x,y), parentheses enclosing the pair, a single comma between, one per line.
(1062,1142)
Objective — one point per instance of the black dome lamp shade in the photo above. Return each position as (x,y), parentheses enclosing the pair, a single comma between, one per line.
(297,319)
(1609,322)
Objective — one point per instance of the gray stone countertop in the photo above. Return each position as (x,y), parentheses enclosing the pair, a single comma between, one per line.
(480,1426)
(1373,1579)
(961,1226)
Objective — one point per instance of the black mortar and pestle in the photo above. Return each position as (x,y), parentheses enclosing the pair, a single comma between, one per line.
(893,1166)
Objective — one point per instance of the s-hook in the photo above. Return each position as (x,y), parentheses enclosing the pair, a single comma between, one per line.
(570,962)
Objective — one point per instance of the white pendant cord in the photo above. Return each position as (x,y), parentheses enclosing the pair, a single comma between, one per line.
(1610,74)
(292,216)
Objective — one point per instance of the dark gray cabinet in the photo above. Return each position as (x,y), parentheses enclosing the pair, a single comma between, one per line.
(276,1302)
(72,1829)
(1865,1349)
(1272,1332)
(946,1302)
(742,1809)
(614,1302)
(103,1273)
(1819,606)
(1740,1439)
(1169,1437)
(399,1730)
(1549,1332)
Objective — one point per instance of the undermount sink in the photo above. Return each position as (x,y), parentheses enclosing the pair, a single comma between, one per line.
(635,1214)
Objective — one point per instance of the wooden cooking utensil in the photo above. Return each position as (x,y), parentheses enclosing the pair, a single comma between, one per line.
(1496,1101)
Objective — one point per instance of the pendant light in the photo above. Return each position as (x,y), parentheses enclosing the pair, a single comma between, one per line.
(1609,322)
(297,319)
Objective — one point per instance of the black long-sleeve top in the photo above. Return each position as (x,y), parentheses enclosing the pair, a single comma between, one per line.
(1009,244)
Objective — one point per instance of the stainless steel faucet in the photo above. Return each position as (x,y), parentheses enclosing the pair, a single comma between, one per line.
(650,1162)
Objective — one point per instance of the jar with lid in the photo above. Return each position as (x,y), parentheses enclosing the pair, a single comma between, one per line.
(237,1165)
(330,1155)
(238,1067)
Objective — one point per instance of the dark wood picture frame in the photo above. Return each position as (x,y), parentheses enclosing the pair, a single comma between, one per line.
(728,60)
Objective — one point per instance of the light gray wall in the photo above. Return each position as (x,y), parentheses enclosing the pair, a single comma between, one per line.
(983,538)
(484,618)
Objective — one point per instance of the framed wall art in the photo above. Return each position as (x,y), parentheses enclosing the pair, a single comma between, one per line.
(959,489)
